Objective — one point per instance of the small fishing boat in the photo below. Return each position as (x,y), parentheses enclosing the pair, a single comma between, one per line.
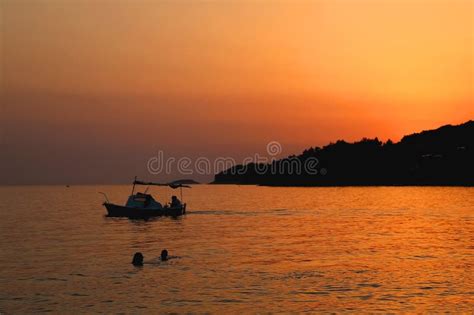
(143,205)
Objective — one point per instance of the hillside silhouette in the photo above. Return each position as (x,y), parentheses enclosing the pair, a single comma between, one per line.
(436,157)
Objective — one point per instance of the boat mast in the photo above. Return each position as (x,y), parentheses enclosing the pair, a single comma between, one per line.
(133,188)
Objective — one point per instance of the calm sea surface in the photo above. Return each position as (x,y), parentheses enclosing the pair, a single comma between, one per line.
(240,249)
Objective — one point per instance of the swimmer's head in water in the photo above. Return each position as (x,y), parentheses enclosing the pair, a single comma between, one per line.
(164,254)
(137,259)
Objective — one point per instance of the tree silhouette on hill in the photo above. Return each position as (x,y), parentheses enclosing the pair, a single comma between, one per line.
(435,157)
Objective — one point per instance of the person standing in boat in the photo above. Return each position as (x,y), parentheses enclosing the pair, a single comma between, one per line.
(175,202)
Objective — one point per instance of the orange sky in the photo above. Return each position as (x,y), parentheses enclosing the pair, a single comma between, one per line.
(86,82)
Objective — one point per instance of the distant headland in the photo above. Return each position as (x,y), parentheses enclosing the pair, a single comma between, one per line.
(443,157)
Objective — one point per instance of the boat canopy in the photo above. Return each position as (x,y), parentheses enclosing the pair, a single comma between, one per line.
(172,185)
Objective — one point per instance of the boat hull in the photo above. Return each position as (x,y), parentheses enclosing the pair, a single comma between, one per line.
(129,212)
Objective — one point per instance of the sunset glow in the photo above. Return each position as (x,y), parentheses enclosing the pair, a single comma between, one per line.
(236,156)
(116,77)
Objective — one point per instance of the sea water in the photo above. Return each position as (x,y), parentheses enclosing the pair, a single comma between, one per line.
(239,249)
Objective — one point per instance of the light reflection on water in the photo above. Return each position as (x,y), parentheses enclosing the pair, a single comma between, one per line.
(240,249)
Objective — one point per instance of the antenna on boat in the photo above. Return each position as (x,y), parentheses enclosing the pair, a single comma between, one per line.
(133,188)
(104,196)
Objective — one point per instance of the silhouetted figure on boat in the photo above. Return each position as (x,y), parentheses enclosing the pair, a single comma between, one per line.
(164,255)
(175,202)
(137,259)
